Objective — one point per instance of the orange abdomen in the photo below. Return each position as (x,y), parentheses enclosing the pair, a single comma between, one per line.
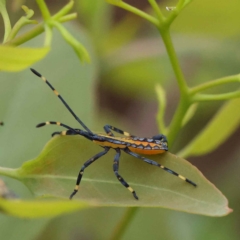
(146,151)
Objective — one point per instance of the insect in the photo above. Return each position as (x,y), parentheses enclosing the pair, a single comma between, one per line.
(130,144)
(1,123)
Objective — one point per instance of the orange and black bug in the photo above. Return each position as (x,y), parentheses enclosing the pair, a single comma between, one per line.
(130,144)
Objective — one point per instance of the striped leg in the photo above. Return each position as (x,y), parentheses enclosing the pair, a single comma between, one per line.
(86,164)
(149,161)
(70,131)
(108,129)
(121,180)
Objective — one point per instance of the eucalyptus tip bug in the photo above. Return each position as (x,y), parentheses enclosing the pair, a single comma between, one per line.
(130,144)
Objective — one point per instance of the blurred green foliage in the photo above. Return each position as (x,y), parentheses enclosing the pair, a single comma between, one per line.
(129,66)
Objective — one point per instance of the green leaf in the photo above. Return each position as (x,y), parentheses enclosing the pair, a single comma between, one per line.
(16,59)
(53,173)
(225,122)
(37,208)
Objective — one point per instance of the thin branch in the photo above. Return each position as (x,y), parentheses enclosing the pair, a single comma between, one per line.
(174,61)
(10,172)
(214,83)
(161,95)
(7,23)
(64,10)
(44,9)
(215,97)
(124,223)
(68,17)
(36,31)
(136,11)
(176,123)
(24,20)
(157,10)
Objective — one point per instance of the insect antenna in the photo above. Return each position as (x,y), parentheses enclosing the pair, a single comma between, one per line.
(55,123)
(60,97)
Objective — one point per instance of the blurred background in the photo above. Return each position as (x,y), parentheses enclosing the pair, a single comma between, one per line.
(128,59)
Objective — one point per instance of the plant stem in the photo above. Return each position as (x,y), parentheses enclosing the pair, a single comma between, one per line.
(68,17)
(44,10)
(35,32)
(157,10)
(161,95)
(64,10)
(214,83)
(174,61)
(136,11)
(77,46)
(184,103)
(7,23)
(215,97)
(48,38)
(124,222)
(22,22)
(9,172)
(176,123)
(27,36)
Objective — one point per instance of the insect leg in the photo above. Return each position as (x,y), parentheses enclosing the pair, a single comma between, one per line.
(70,131)
(108,129)
(86,164)
(149,161)
(121,180)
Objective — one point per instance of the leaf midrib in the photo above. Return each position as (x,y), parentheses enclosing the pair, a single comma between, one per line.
(116,183)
